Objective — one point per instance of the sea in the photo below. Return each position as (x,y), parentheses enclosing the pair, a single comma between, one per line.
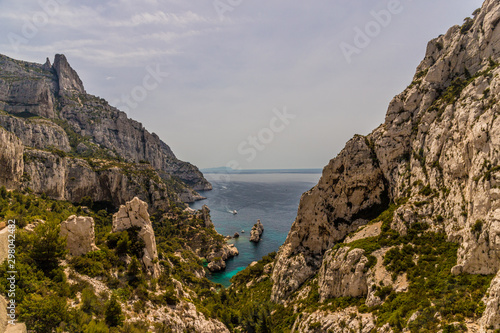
(271,196)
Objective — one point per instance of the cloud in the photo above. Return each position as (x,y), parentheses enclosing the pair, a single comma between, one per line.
(160,18)
(227,75)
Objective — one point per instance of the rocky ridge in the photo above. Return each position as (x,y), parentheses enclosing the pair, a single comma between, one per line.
(47,108)
(438,148)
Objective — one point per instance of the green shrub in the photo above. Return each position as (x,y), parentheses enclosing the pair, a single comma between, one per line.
(170,296)
(113,313)
(96,327)
(468,22)
(426,191)
(43,313)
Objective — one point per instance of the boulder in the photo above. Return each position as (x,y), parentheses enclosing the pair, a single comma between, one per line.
(79,231)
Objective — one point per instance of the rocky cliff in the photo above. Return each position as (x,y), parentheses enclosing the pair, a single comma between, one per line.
(438,149)
(47,108)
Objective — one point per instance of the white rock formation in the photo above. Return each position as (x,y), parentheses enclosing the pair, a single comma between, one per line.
(491,315)
(343,274)
(439,146)
(80,234)
(344,321)
(256,232)
(135,214)
(11,159)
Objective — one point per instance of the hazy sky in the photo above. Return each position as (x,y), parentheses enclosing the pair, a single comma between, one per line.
(234,65)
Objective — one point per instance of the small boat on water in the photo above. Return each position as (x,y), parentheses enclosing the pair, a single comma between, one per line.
(235,212)
(242,231)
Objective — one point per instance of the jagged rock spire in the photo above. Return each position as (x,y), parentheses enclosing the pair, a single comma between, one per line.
(68,79)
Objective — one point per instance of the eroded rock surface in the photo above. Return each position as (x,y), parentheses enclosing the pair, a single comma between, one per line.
(256,232)
(439,146)
(80,235)
(11,159)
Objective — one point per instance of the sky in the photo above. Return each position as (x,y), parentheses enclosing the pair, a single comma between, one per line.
(249,84)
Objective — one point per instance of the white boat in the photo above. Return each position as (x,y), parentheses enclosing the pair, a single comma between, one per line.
(235,212)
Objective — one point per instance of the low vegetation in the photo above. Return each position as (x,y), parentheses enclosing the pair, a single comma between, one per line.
(44,289)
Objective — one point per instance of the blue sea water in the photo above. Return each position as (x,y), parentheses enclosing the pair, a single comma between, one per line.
(271,197)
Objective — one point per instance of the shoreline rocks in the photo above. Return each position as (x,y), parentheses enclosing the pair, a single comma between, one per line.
(217,260)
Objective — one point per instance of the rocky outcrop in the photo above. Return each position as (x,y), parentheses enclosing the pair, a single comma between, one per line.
(72,179)
(439,146)
(135,214)
(26,88)
(256,232)
(185,318)
(80,235)
(67,79)
(11,159)
(343,274)
(217,258)
(217,265)
(491,315)
(205,215)
(112,130)
(344,321)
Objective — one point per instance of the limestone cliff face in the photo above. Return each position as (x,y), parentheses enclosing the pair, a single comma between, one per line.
(343,274)
(26,87)
(351,191)
(46,106)
(36,133)
(439,146)
(113,130)
(11,159)
(72,179)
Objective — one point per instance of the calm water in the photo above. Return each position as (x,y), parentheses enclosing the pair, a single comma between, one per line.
(272,198)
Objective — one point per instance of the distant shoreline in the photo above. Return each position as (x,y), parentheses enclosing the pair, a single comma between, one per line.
(259,171)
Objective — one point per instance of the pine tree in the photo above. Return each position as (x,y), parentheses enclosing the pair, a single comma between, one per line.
(113,313)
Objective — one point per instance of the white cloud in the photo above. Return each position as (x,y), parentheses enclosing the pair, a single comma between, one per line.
(160,18)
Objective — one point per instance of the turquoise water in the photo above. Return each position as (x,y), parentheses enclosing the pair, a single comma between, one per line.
(272,198)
